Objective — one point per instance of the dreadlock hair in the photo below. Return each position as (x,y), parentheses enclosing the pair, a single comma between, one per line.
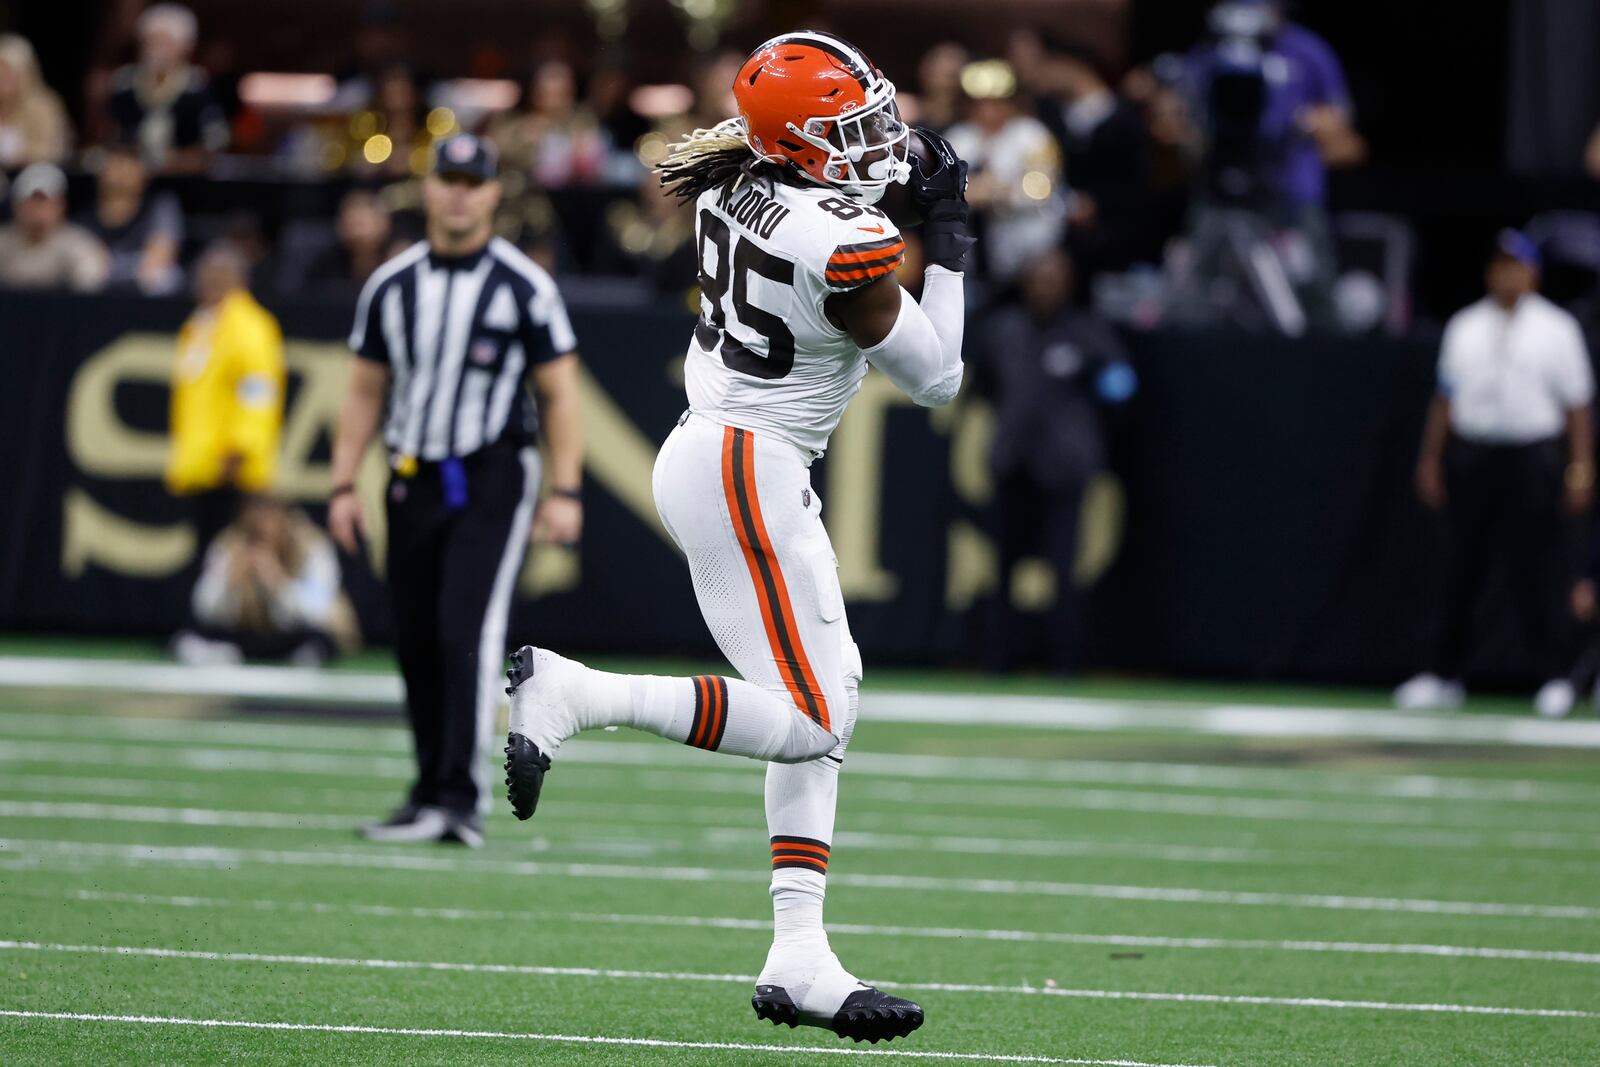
(708,159)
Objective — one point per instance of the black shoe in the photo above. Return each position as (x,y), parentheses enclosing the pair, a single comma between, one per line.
(866,1015)
(525,769)
(410,822)
(525,764)
(463,830)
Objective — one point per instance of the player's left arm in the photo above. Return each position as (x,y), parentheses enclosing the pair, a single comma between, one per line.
(918,345)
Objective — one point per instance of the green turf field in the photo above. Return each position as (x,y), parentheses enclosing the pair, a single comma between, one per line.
(1079,897)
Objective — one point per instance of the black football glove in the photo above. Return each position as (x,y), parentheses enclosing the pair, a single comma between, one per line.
(938,186)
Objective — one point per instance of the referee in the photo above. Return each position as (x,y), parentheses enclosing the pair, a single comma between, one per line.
(446,337)
(1508,456)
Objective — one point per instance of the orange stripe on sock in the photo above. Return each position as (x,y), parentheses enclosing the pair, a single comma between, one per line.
(779,846)
(719,712)
(698,730)
(798,677)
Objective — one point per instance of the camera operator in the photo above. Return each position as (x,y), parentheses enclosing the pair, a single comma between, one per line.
(1274,114)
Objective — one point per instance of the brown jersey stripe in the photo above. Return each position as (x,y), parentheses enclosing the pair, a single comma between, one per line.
(875,270)
(892,258)
(862,274)
(844,259)
(867,246)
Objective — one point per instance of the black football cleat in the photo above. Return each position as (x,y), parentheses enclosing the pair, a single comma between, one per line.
(866,1015)
(525,764)
(525,768)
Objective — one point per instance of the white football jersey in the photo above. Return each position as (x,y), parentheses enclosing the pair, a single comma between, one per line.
(764,356)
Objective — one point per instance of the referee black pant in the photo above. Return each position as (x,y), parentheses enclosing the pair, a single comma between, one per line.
(452,565)
(1504,507)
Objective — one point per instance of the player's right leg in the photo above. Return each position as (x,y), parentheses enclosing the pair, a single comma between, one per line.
(553,698)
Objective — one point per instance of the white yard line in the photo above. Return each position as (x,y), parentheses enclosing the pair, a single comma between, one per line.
(970,797)
(567,1039)
(210,759)
(260,820)
(1061,713)
(701,837)
(213,856)
(984,836)
(695,976)
(764,926)
(300,736)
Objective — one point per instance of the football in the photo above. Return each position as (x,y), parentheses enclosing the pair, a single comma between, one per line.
(896,201)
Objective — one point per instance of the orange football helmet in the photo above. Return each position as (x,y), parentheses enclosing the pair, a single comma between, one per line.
(813,101)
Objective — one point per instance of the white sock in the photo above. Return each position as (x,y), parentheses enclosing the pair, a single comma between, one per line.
(708,711)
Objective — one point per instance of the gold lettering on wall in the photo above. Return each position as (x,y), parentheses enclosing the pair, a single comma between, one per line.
(92,535)
(98,441)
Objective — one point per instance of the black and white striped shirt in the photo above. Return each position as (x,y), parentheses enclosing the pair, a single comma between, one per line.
(458,335)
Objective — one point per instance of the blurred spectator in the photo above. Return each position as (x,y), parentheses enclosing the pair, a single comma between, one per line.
(242,233)
(1107,152)
(1508,448)
(551,137)
(610,89)
(227,394)
(1015,171)
(1052,369)
(940,102)
(1156,91)
(713,89)
(1591,155)
(141,230)
(269,589)
(379,43)
(390,138)
(363,231)
(33,124)
(39,248)
(653,236)
(161,103)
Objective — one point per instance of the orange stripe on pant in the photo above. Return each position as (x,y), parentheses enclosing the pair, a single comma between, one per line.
(772,592)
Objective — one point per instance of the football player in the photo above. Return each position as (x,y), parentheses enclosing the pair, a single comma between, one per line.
(798,296)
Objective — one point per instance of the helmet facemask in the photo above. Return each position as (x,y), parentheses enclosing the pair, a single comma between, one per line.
(866,146)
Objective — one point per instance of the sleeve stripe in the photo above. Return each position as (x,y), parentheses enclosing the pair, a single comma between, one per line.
(874,261)
(862,254)
(870,246)
(861,275)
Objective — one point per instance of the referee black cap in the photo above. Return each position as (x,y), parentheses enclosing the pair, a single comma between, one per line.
(464,154)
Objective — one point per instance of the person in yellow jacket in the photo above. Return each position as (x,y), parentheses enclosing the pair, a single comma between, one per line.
(227,395)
